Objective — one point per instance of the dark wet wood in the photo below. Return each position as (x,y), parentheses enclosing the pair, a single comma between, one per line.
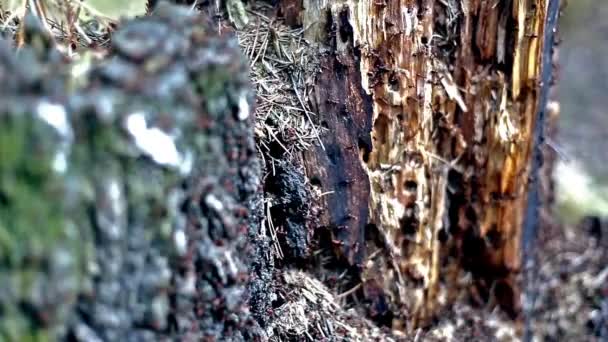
(336,168)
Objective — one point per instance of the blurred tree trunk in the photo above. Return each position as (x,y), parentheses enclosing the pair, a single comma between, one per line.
(126,193)
(435,117)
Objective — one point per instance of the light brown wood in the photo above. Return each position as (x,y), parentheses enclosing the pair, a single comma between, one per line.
(431,109)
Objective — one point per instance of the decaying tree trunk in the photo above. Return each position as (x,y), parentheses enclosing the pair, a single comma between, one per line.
(421,189)
(433,113)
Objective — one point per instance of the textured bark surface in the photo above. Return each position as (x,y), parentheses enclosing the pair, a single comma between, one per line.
(432,110)
(125,194)
(142,172)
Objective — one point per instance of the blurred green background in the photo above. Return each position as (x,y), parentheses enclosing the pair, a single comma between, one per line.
(582,173)
(116,8)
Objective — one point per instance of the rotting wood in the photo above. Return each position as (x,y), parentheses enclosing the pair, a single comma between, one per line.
(405,269)
(337,166)
(450,91)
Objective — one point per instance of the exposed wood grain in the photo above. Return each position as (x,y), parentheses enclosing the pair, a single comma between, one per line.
(448,91)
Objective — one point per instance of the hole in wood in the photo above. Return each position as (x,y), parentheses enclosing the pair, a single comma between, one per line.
(345,31)
(364,148)
(410,220)
(393,82)
(410,186)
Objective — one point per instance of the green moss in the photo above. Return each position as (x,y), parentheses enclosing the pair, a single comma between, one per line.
(33,228)
(212,86)
(28,184)
(16,328)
